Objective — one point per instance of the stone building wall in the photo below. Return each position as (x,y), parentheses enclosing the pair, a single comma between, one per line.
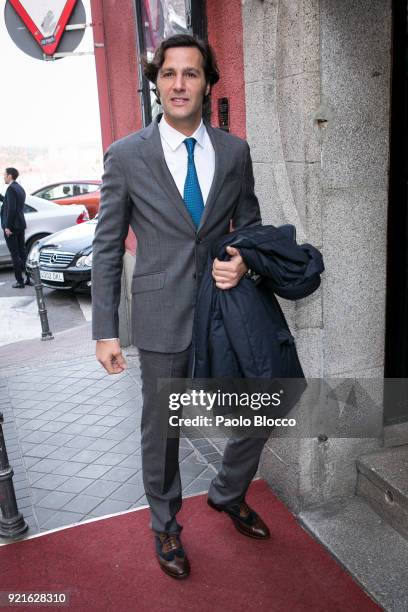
(317,76)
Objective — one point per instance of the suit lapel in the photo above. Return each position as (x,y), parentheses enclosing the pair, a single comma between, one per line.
(219,173)
(154,159)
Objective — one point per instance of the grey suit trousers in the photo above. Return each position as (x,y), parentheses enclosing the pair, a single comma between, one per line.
(161,475)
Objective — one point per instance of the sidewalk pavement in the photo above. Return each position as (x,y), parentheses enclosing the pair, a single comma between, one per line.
(72,432)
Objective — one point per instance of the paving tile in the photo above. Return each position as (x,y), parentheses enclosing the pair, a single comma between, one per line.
(50,481)
(43,514)
(81,442)
(142,501)
(75,428)
(75,484)
(82,503)
(22,492)
(89,419)
(136,478)
(109,506)
(53,426)
(102,488)
(29,425)
(119,474)
(60,438)
(83,409)
(186,480)
(124,447)
(132,461)
(111,392)
(24,499)
(207,449)
(40,450)
(116,434)
(128,492)
(60,519)
(102,444)
(87,456)
(110,458)
(184,452)
(111,420)
(55,500)
(14,457)
(69,417)
(30,461)
(192,469)
(47,465)
(128,409)
(69,468)
(98,409)
(38,494)
(27,446)
(93,471)
(91,402)
(63,453)
(95,431)
(34,476)
(199,485)
(213,457)
(31,414)
(36,436)
(201,443)
(209,473)
(128,422)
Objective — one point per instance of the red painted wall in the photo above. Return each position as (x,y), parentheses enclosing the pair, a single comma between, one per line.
(115,46)
(116,66)
(224,21)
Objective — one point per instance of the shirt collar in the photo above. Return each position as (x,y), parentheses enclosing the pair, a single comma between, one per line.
(174,138)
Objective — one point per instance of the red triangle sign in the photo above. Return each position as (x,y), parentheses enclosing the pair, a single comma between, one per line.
(48,34)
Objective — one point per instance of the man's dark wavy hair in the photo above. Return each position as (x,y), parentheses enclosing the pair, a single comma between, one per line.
(13,172)
(151,68)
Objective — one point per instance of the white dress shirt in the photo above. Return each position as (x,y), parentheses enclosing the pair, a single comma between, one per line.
(175,154)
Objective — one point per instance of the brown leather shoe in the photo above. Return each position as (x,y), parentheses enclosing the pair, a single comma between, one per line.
(246,520)
(171,555)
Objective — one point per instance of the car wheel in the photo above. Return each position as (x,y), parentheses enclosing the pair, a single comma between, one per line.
(32,241)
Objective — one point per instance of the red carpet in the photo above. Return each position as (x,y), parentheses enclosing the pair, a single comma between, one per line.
(109,565)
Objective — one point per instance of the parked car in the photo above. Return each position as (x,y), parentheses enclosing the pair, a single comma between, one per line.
(65,258)
(73,192)
(44,218)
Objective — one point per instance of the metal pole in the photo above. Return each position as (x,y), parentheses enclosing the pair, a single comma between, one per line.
(12,523)
(42,311)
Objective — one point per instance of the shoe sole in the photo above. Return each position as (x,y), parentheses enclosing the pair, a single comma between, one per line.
(237,524)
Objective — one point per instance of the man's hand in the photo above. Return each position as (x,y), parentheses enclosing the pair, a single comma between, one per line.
(8,232)
(227,274)
(109,354)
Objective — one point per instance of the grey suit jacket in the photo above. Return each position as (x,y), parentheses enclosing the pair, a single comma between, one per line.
(138,189)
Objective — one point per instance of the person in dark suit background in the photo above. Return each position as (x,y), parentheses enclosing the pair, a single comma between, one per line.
(179,183)
(13,224)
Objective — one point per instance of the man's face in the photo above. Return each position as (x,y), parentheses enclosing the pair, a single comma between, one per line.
(181,86)
(7,178)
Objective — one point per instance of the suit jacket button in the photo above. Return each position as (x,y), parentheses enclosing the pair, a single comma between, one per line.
(198,240)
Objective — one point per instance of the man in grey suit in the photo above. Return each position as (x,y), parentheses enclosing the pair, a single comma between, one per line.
(180,184)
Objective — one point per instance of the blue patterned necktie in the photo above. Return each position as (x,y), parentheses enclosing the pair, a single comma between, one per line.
(193,197)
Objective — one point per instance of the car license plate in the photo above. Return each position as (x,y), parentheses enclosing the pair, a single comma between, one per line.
(57,277)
